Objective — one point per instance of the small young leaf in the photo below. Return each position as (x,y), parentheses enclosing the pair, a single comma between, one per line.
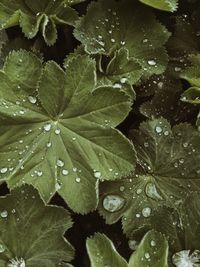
(102,252)
(166,5)
(57,132)
(35,15)
(32,233)
(152,251)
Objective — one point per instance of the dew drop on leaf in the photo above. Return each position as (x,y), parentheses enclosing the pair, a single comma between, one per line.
(78,179)
(146,212)
(158,129)
(113,203)
(151,191)
(133,244)
(2,248)
(60,163)
(65,172)
(4,214)
(151,62)
(32,99)
(4,170)
(47,127)
(97,174)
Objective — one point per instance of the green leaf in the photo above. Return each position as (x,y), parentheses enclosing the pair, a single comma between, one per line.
(191,95)
(109,26)
(102,252)
(166,101)
(167,170)
(32,233)
(166,5)
(192,74)
(57,132)
(33,16)
(152,251)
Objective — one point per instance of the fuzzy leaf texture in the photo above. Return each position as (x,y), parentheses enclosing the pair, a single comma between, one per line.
(166,5)
(113,29)
(57,132)
(35,16)
(153,250)
(32,233)
(167,171)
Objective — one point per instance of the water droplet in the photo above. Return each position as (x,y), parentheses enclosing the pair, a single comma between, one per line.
(145,41)
(185,145)
(158,129)
(60,163)
(65,172)
(4,170)
(152,62)
(122,188)
(57,186)
(123,80)
(113,203)
(97,174)
(153,243)
(32,99)
(147,255)
(133,244)
(48,144)
(47,127)
(74,138)
(151,191)
(78,179)
(57,131)
(4,214)
(166,133)
(146,144)
(146,212)
(39,173)
(2,248)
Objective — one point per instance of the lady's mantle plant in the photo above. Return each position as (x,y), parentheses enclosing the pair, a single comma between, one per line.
(105,122)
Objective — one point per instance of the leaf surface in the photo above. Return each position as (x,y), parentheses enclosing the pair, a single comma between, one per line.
(32,233)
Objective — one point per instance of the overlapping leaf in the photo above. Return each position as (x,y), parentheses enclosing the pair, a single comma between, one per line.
(33,16)
(167,170)
(166,5)
(32,233)
(153,250)
(57,133)
(127,36)
(166,101)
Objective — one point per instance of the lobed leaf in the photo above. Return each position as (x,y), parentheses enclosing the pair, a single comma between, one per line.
(167,171)
(32,233)
(33,16)
(57,132)
(128,35)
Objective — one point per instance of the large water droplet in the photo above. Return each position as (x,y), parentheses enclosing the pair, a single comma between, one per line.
(97,174)
(152,62)
(146,212)
(113,203)
(158,129)
(2,248)
(32,99)
(4,214)
(4,170)
(151,191)
(60,163)
(47,127)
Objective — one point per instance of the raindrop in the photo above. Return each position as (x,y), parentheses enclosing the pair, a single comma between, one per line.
(123,80)
(47,127)
(4,170)
(65,172)
(147,255)
(57,131)
(158,129)
(60,163)
(113,203)
(78,179)
(97,174)
(153,243)
(151,191)
(32,99)
(152,62)
(146,212)
(2,248)
(133,244)
(4,214)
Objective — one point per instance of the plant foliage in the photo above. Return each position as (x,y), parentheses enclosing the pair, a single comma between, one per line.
(99,115)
